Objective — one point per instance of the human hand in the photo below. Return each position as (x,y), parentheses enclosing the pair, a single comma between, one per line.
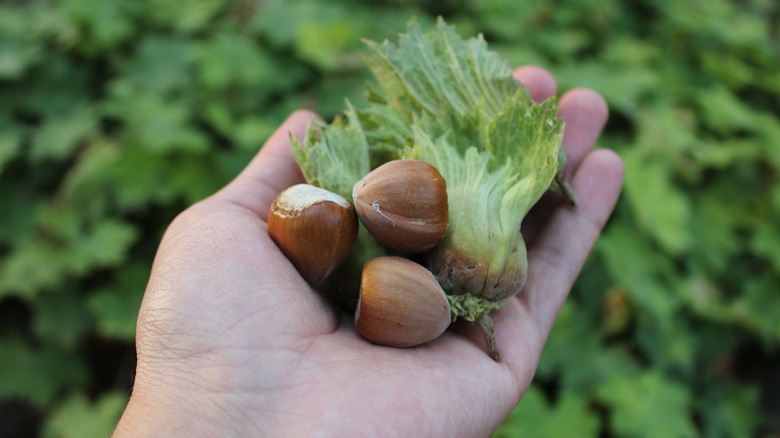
(232,341)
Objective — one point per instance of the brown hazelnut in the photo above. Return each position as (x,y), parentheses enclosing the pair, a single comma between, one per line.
(401,304)
(314,228)
(403,204)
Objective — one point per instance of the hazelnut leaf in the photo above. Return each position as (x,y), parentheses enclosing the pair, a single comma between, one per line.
(334,156)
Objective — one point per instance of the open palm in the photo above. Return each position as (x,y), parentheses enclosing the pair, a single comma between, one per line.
(232,341)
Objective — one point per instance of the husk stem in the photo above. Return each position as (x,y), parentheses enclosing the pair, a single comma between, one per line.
(477,310)
(485,324)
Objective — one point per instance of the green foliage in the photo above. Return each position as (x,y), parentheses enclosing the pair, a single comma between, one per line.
(647,405)
(569,417)
(116,114)
(77,417)
(37,374)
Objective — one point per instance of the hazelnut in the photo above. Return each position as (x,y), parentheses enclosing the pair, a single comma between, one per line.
(314,228)
(403,204)
(401,304)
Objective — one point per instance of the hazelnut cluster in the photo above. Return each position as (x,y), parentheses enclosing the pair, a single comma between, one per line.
(403,204)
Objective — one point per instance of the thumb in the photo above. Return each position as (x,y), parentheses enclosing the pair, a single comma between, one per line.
(272,170)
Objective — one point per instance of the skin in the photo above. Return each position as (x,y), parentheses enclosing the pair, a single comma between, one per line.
(232,341)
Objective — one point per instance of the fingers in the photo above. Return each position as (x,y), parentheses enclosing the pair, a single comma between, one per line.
(272,170)
(560,251)
(538,81)
(585,113)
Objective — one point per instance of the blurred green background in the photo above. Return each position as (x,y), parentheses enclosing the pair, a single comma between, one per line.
(117,114)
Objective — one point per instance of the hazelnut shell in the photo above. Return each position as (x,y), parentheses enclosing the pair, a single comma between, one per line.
(403,204)
(314,228)
(401,303)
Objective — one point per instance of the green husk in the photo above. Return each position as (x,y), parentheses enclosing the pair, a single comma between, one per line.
(455,104)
